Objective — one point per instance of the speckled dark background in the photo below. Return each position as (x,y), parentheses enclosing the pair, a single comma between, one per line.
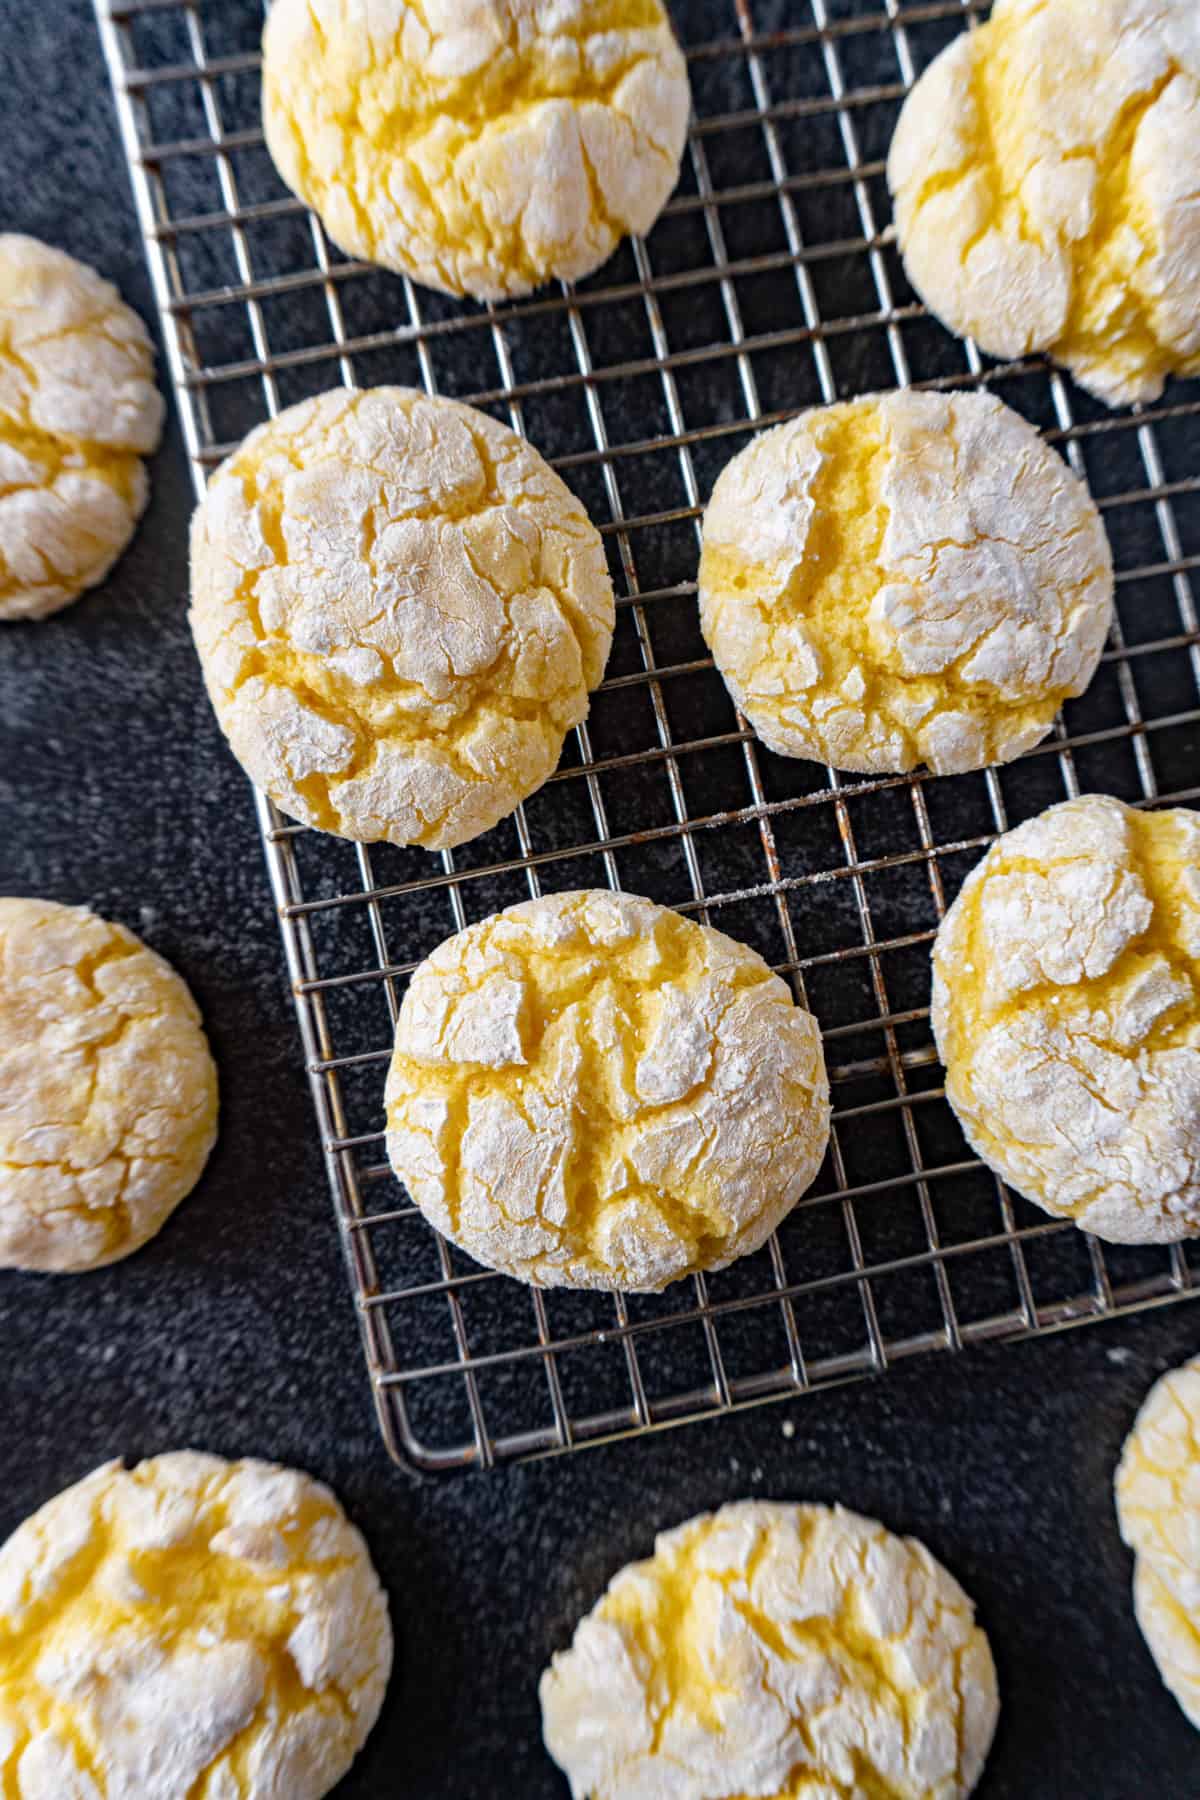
(234,1330)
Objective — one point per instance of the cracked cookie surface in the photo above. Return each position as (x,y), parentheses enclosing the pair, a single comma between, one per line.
(790,1652)
(1067,1013)
(1172,1634)
(108,1093)
(1158,1482)
(78,411)
(907,578)
(400,610)
(589,1090)
(1046,179)
(189,1626)
(1158,1504)
(485,147)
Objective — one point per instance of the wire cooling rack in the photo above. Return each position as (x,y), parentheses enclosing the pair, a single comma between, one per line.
(769,284)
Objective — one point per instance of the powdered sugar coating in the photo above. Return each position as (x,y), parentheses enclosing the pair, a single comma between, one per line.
(1158,1484)
(590,1091)
(1066,1011)
(399,609)
(1046,178)
(108,1093)
(78,411)
(485,146)
(1158,1504)
(777,1651)
(907,578)
(188,1627)
(1172,1635)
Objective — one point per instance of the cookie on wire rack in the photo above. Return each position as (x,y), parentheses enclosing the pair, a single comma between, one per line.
(591,1091)
(907,578)
(1066,1008)
(484,148)
(400,610)
(1044,171)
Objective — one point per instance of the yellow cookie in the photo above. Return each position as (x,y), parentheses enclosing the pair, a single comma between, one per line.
(789,1652)
(906,578)
(1158,1486)
(1045,173)
(590,1091)
(1066,1011)
(483,147)
(1158,1504)
(78,411)
(108,1094)
(1172,1634)
(188,1627)
(399,609)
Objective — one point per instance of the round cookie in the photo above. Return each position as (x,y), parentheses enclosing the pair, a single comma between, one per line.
(188,1626)
(590,1091)
(1044,172)
(1066,1011)
(108,1093)
(906,578)
(78,411)
(483,148)
(399,610)
(779,1651)
(1158,1504)
(1172,1634)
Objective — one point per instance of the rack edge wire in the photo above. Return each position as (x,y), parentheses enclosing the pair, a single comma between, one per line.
(387,1379)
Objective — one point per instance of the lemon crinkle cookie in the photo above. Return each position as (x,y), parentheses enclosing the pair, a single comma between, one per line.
(108,1093)
(1159,1507)
(78,411)
(590,1091)
(1066,1011)
(482,147)
(1045,173)
(775,1650)
(906,578)
(399,609)
(1172,1634)
(1158,1483)
(188,1626)
(1158,1504)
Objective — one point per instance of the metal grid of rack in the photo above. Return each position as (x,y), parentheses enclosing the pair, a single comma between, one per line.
(769,284)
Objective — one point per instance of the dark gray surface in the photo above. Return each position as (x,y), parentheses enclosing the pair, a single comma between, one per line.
(234,1331)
